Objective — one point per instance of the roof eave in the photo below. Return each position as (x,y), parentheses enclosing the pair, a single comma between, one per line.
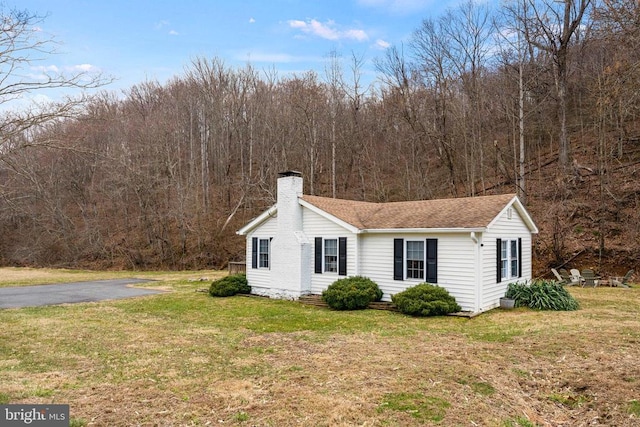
(350,227)
(424,230)
(257,221)
(526,218)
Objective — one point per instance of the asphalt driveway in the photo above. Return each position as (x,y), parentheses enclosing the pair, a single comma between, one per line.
(33,296)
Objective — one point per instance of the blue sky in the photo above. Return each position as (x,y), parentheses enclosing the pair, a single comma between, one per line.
(140,40)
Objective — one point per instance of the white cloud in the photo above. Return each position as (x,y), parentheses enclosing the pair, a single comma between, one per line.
(328,30)
(382,44)
(251,20)
(359,35)
(297,24)
(85,68)
(173,33)
(45,68)
(161,24)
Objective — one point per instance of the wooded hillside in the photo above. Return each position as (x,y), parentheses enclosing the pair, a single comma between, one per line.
(540,97)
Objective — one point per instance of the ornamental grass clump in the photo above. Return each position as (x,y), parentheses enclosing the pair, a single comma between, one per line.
(229,286)
(352,293)
(542,295)
(425,299)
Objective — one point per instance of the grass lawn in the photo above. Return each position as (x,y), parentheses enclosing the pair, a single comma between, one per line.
(183,358)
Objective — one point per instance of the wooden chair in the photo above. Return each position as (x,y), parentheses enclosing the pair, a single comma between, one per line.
(561,280)
(569,279)
(622,282)
(576,277)
(590,279)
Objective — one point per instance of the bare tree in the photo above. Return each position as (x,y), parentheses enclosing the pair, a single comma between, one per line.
(551,26)
(22,46)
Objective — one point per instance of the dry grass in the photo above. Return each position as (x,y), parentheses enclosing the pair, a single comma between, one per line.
(185,358)
(14,276)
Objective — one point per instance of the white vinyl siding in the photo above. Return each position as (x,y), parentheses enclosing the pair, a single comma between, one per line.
(260,277)
(507,230)
(317,226)
(456,259)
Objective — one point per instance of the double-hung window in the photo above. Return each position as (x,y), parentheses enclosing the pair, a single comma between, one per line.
(263,253)
(415,259)
(260,252)
(509,258)
(331,255)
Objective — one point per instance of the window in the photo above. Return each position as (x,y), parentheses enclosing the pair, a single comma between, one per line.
(509,259)
(331,255)
(263,253)
(514,258)
(415,259)
(260,252)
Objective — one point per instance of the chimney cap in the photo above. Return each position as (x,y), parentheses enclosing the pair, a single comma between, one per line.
(289,173)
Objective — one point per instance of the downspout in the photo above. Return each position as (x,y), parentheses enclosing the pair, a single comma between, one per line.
(357,255)
(477,270)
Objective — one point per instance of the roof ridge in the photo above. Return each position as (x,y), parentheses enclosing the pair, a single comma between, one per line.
(460,212)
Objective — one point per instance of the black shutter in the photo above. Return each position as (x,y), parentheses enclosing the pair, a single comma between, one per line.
(342,256)
(398,259)
(318,255)
(432,261)
(519,257)
(498,260)
(254,252)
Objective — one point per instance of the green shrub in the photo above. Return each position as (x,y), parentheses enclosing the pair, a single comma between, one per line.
(542,295)
(230,285)
(425,299)
(352,293)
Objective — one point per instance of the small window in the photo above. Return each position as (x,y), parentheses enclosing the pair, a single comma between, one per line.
(514,258)
(263,253)
(331,255)
(415,259)
(505,259)
(509,257)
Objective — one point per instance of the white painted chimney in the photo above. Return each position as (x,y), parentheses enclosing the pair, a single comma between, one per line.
(291,249)
(289,210)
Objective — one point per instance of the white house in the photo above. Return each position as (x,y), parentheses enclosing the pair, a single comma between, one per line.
(472,246)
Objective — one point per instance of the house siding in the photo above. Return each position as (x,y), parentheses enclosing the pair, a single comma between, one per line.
(260,278)
(503,228)
(456,264)
(318,226)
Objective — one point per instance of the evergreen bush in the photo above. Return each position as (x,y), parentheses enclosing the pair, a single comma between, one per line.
(425,299)
(351,293)
(542,295)
(229,286)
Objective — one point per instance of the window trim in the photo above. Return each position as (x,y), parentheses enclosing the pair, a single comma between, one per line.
(325,263)
(422,268)
(320,256)
(430,254)
(508,262)
(267,254)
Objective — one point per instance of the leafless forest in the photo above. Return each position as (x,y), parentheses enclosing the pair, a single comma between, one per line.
(536,97)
